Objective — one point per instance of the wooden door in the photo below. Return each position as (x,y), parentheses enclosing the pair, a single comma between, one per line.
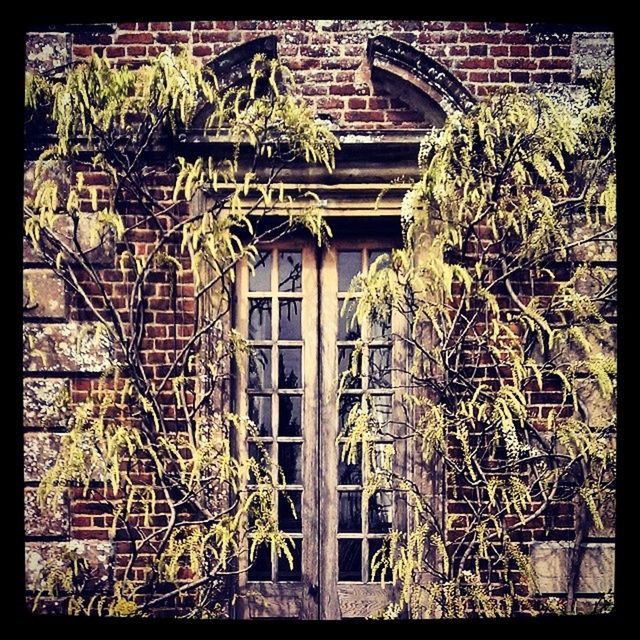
(290,311)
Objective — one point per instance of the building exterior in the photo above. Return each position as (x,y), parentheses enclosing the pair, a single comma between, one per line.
(378,85)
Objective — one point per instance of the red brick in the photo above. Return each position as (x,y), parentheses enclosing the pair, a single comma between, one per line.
(201,50)
(520,50)
(136,50)
(476,63)
(458,50)
(226,25)
(477,76)
(377,102)
(515,38)
(134,38)
(561,76)
(330,103)
(160,26)
(403,116)
(560,50)
(172,38)
(540,50)
(115,52)
(357,103)
(519,76)
(142,26)
(92,38)
(342,90)
(555,63)
(476,26)
(81,51)
(478,50)
(181,26)
(480,38)
(515,63)
(499,76)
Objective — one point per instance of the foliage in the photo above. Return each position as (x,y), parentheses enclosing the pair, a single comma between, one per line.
(155,450)
(502,305)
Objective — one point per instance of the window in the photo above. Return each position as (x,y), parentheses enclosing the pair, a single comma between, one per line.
(310,364)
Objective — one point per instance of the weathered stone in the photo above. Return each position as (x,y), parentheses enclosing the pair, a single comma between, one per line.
(549,561)
(97,250)
(43,294)
(600,410)
(46,51)
(604,249)
(45,402)
(591,52)
(52,520)
(39,556)
(40,450)
(74,346)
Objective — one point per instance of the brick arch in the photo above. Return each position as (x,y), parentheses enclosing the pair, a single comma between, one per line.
(418,79)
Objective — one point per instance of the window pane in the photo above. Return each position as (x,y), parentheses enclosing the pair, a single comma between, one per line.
(290,461)
(348,327)
(260,369)
(350,473)
(260,467)
(260,414)
(350,560)
(380,328)
(381,512)
(382,457)
(285,572)
(350,512)
(261,279)
(375,544)
(347,402)
(380,368)
(375,254)
(290,368)
(261,568)
(290,312)
(290,511)
(349,264)
(290,271)
(347,379)
(289,416)
(259,319)
(381,409)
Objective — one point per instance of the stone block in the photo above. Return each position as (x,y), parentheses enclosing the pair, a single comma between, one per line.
(39,556)
(43,294)
(45,402)
(40,451)
(591,52)
(51,520)
(549,560)
(74,346)
(45,51)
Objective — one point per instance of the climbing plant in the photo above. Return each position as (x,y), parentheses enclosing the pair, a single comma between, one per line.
(509,387)
(154,450)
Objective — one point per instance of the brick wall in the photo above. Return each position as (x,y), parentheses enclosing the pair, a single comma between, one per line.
(331,67)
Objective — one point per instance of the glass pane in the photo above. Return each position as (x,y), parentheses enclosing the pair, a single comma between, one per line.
(349,264)
(375,254)
(290,271)
(261,568)
(260,369)
(347,402)
(290,368)
(375,544)
(290,312)
(380,368)
(290,511)
(259,319)
(261,279)
(348,327)
(290,461)
(289,416)
(349,381)
(350,473)
(350,560)
(285,572)
(380,328)
(381,409)
(381,512)
(260,469)
(350,512)
(382,457)
(260,414)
